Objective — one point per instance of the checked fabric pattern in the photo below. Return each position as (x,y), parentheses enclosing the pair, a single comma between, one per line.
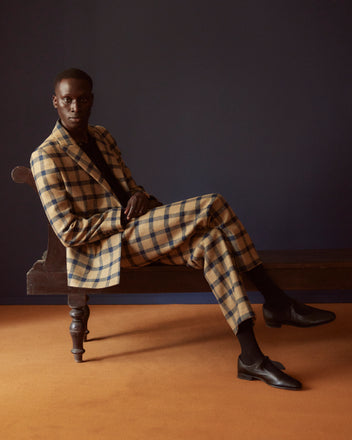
(204,233)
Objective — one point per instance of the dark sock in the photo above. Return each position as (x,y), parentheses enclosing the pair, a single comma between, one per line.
(273,295)
(250,351)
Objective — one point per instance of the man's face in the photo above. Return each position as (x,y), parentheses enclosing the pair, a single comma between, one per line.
(73,100)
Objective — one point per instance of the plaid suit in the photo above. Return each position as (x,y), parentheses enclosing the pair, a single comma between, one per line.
(202,232)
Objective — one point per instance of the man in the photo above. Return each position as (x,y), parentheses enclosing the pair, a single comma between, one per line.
(106,221)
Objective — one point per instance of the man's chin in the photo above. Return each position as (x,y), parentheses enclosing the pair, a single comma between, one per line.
(76,124)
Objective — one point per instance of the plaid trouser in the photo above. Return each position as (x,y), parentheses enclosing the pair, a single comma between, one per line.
(204,233)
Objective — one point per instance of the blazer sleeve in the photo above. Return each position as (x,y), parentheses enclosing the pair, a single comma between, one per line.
(71,229)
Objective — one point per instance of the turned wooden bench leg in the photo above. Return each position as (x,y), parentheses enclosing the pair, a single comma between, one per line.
(85,320)
(78,327)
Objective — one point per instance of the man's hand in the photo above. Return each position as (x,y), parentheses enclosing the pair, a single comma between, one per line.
(137,205)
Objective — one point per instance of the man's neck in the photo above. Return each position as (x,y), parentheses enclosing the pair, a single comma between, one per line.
(79,136)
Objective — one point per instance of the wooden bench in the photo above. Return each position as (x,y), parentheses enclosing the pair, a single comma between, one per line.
(292,269)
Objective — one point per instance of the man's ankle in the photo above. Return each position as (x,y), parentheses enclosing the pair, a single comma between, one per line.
(250,359)
(279,304)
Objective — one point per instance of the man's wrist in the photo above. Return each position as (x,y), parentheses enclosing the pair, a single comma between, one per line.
(123,219)
(140,191)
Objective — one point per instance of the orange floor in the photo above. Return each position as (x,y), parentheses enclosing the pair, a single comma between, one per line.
(168,372)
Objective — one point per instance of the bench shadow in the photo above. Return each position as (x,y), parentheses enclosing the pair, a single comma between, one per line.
(182,342)
(212,332)
(167,325)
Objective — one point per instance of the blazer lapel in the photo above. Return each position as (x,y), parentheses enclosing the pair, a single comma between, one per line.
(76,153)
(109,157)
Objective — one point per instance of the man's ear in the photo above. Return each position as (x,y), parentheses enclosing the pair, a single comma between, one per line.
(54,101)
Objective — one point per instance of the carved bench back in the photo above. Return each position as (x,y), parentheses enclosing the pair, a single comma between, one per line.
(55,256)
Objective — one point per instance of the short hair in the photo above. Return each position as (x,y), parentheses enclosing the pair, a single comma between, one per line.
(73,73)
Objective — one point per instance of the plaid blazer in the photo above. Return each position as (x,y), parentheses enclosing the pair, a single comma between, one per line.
(81,206)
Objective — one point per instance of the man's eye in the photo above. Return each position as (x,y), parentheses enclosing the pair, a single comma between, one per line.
(67,100)
(83,100)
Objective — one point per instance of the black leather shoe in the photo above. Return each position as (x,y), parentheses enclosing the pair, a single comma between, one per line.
(267,372)
(296,314)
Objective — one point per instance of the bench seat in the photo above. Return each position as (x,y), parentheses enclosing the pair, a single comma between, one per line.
(317,269)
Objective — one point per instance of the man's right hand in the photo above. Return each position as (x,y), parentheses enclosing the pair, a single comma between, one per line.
(137,205)
(136,209)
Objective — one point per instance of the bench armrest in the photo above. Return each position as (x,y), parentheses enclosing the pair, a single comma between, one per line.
(22,174)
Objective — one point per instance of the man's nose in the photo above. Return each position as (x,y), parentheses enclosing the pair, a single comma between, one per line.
(74,105)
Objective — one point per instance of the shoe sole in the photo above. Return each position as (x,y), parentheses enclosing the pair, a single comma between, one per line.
(276,324)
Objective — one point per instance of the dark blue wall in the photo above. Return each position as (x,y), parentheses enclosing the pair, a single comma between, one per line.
(251,99)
